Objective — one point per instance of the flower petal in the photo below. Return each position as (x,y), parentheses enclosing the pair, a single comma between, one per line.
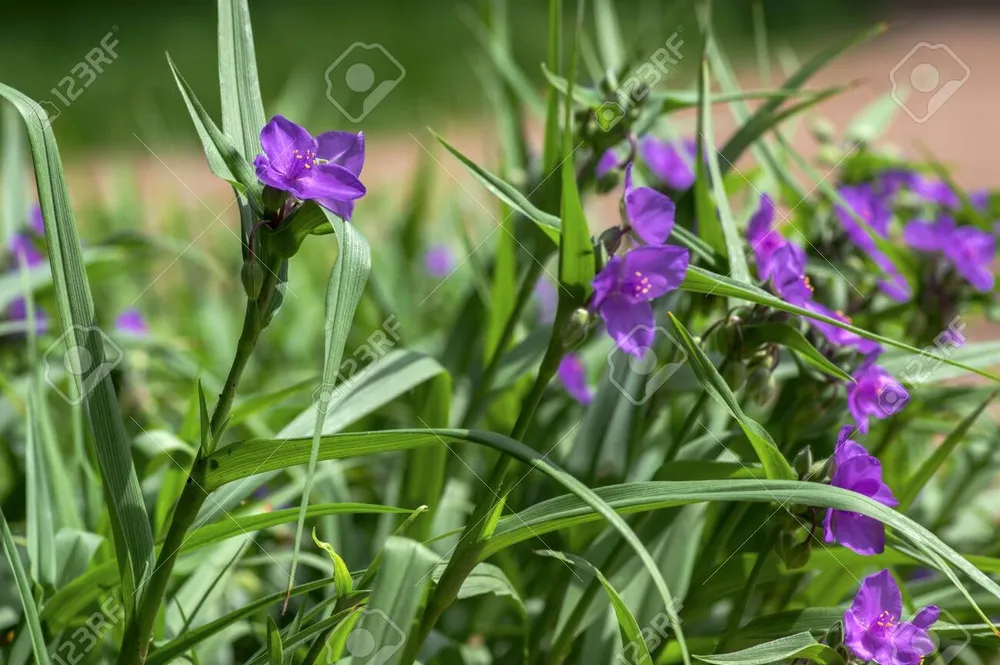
(574,379)
(650,213)
(280,138)
(630,324)
(858,533)
(665,266)
(673,163)
(927,617)
(907,645)
(856,636)
(926,236)
(879,592)
(344,148)
(342,209)
(328,181)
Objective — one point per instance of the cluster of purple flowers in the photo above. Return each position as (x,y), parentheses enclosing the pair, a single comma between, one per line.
(782,263)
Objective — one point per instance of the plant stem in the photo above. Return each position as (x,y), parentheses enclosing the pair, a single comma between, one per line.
(484,516)
(139,632)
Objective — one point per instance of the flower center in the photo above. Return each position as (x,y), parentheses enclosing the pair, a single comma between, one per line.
(640,285)
(884,623)
(307,158)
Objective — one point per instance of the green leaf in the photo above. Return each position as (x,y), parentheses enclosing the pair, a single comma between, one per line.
(792,338)
(553,141)
(13,185)
(941,453)
(24,593)
(399,590)
(610,41)
(775,464)
(732,242)
(41,524)
(635,649)
(73,599)
(342,580)
(506,192)
(242,108)
(699,280)
(343,293)
(274,650)
(801,645)
(133,537)
(224,158)
(248,458)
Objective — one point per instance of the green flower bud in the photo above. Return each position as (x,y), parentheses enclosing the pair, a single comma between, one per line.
(735,374)
(803,462)
(760,384)
(252,275)
(273,199)
(576,328)
(835,636)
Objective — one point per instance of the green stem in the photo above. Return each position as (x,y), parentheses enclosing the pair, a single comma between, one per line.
(473,411)
(483,519)
(740,608)
(139,632)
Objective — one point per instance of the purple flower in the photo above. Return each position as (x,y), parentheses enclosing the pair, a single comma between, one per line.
(873,629)
(324,169)
(574,379)
(870,207)
(934,190)
(874,393)
(650,213)
(778,260)
(607,163)
(857,471)
(37,221)
(439,261)
(131,322)
(624,289)
(838,336)
(980,200)
(968,249)
(17,311)
(672,162)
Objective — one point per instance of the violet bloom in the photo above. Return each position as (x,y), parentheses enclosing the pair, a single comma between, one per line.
(573,376)
(607,163)
(873,629)
(778,260)
(624,289)
(131,322)
(980,200)
(324,169)
(17,311)
(671,162)
(874,393)
(934,190)
(870,207)
(838,336)
(968,249)
(857,471)
(650,213)
(439,261)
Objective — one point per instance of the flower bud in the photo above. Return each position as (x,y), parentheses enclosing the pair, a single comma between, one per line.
(252,275)
(823,130)
(273,199)
(735,374)
(760,384)
(803,462)
(835,636)
(576,328)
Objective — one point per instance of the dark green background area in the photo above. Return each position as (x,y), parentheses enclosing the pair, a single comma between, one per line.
(297,40)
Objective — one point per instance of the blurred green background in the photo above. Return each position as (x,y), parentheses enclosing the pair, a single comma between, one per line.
(297,40)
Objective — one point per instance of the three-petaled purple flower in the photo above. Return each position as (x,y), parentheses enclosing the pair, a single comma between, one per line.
(872,206)
(838,336)
(874,393)
(573,376)
(324,169)
(625,287)
(857,471)
(873,626)
(672,162)
(968,249)
(650,213)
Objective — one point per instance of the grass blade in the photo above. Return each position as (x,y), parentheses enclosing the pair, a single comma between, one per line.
(24,592)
